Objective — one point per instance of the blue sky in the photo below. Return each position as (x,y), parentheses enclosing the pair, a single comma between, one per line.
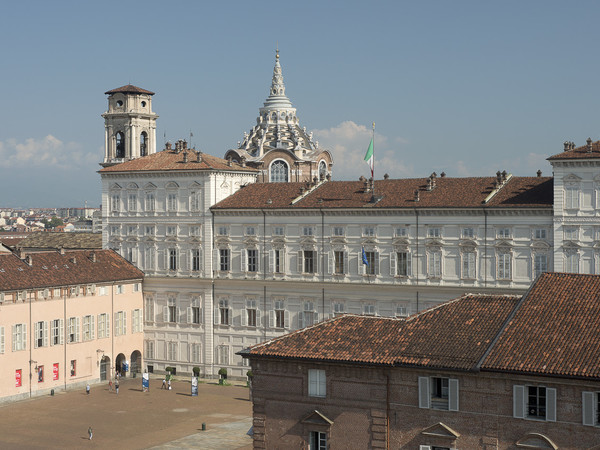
(465,87)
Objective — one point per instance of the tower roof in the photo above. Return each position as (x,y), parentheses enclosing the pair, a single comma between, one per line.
(129,89)
(277,127)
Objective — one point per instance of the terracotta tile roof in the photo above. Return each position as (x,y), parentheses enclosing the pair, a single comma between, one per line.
(553,330)
(49,240)
(448,193)
(172,160)
(50,269)
(579,153)
(129,89)
(453,336)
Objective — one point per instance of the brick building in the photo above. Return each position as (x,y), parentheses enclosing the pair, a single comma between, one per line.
(479,372)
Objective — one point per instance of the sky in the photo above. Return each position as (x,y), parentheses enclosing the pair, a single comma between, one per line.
(464,87)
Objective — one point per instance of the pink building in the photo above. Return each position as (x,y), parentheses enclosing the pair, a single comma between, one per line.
(67,318)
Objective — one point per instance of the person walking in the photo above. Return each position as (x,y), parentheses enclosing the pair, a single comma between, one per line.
(90,432)
(164,384)
(109,385)
(87,389)
(117,386)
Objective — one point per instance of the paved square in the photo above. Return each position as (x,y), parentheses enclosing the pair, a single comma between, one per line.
(132,419)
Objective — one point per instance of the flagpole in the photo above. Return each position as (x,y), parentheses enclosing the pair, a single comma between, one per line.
(373,166)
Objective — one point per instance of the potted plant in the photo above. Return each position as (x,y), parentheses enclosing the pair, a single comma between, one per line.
(222,375)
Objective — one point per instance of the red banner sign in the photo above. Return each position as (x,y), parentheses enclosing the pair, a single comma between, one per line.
(55,371)
(18,378)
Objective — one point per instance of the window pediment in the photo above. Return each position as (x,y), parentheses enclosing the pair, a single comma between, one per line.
(338,240)
(195,185)
(115,186)
(400,241)
(317,418)
(434,243)
(308,240)
(503,245)
(440,430)
(171,185)
(279,241)
(150,186)
(132,239)
(536,440)
(571,178)
(540,245)
(171,239)
(149,239)
(571,245)
(222,241)
(251,241)
(468,243)
(369,242)
(132,186)
(195,240)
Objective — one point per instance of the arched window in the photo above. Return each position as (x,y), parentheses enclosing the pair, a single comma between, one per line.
(143,143)
(322,170)
(279,172)
(120,151)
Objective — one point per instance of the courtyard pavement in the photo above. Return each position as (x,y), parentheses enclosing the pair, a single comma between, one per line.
(158,419)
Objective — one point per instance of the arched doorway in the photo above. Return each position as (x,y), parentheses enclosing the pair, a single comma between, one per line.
(120,364)
(104,368)
(136,362)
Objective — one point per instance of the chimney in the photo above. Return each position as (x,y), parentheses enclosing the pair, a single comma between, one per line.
(589,145)
(229,161)
(28,260)
(168,146)
(302,190)
(74,260)
(185,158)
(243,161)
(443,175)
(386,176)
(504,176)
(567,146)
(93,256)
(269,201)
(61,250)
(539,173)
(199,157)
(416,195)
(328,176)
(498,177)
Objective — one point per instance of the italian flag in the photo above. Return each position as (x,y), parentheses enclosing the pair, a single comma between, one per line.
(369,157)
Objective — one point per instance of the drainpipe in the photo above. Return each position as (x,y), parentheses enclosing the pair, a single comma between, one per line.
(64,331)
(322,261)
(30,345)
(266,318)
(387,410)
(485,258)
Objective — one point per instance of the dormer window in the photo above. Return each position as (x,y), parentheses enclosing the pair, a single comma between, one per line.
(279,172)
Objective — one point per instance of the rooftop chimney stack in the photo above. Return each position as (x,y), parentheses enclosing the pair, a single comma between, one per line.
(199,156)
(589,145)
(185,157)
(539,173)
(416,195)
(386,176)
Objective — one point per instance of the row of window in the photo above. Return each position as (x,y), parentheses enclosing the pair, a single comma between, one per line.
(369,262)
(371,231)
(251,315)
(132,202)
(57,293)
(78,329)
(529,401)
(150,230)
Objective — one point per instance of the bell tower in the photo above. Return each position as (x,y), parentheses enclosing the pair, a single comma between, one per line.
(129,125)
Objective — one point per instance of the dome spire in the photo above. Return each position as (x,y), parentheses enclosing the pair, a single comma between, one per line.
(277,98)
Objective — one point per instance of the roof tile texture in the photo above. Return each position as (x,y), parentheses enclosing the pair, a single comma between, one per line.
(553,330)
(448,193)
(171,160)
(50,269)
(129,89)
(582,152)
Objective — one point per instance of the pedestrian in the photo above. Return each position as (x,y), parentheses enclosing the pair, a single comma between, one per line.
(169,384)
(90,432)
(110,385)
(117,386)
(164,384)
(87,389)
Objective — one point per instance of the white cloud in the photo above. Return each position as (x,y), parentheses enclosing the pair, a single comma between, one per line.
(48,152)
(348,143)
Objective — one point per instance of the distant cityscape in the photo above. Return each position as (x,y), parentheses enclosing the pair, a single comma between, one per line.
(26,220)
